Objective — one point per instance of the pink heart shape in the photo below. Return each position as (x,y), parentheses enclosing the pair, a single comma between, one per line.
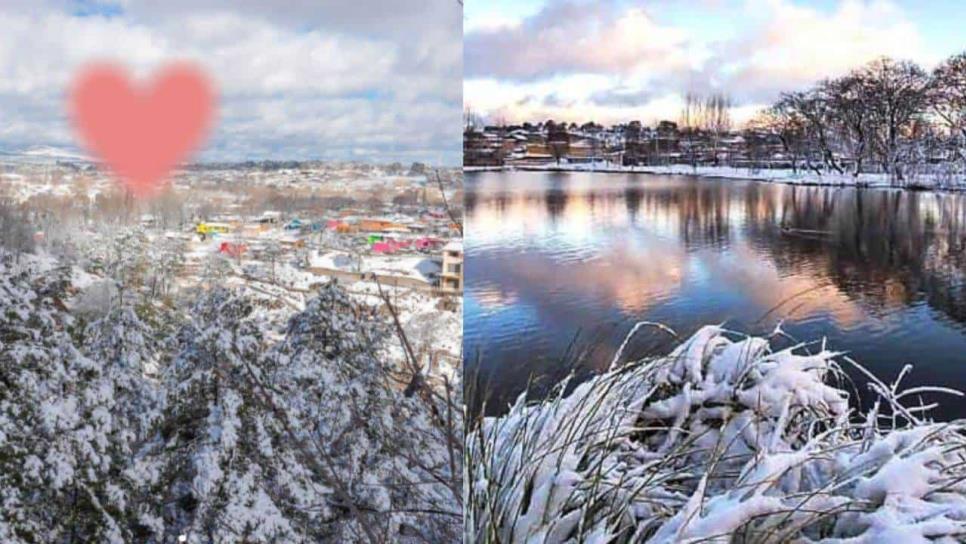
(142,133)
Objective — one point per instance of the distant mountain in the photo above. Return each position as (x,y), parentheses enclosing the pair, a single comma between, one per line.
(45,153)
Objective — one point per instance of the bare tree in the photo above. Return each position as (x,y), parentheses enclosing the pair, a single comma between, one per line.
(454,216)
(898,93)
(849,97)
(790,127)
(558,140)
(633,146)
(949,93)
(690,123)
(716,121)
(813,107)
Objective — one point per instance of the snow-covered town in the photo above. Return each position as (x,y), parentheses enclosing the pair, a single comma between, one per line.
(291,226)
(261,352)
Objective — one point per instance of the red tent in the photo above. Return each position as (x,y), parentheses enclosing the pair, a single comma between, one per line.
(232,249)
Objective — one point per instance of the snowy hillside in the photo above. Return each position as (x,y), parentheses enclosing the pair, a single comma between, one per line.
(151,422)
(41,154)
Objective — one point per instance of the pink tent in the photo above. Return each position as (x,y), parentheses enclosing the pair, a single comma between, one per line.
(427,243)
(384,247)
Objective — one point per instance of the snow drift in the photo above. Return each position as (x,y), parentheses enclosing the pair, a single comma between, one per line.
(723,440)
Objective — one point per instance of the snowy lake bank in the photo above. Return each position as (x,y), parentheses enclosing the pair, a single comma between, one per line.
(800,177)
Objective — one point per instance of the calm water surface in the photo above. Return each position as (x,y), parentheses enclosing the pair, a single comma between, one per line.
(551,257)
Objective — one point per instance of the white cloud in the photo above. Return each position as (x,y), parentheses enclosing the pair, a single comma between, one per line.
(792,46)
(309,81)
(570,37)
(644,65)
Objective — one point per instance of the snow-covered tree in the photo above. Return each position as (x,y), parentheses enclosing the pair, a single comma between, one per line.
(16,234)
(127,354)
(167,258)
(115,431)
(339,402)
(382,447)
(56,422)
(221,470)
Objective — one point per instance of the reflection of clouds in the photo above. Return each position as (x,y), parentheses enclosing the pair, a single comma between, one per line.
(642,274)
(526,216)
(522,215)
(797,296)
(632,279)
(492,298)
(839,254)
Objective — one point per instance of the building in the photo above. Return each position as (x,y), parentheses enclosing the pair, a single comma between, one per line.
(379,224)
(451,275)
(482,148)
(205,229)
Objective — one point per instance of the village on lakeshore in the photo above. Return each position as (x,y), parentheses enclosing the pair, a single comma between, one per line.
(888,123)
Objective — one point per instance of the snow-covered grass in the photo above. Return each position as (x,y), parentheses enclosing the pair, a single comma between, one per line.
(777,175)
(723,440)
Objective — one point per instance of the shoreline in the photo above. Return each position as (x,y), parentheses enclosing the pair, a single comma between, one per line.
(783,176)
(726,435)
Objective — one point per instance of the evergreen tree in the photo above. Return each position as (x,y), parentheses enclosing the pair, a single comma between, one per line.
(224,474)
(209,434)
(342,398)
(55,422)
(127,354)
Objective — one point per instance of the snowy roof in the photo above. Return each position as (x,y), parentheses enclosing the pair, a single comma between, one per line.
(454,245)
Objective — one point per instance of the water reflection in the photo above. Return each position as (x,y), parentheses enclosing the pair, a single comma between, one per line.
(882,273)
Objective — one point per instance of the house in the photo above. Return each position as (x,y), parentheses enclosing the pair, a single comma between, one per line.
(294,224)
(482,148)
(269,218)
(384,247)
(233,249)
(451,276)
(338,226)
(381,225)
(205,229)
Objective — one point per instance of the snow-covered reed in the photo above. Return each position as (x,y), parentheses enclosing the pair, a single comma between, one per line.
(723,440)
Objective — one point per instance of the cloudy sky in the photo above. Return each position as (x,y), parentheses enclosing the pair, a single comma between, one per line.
(299,79)
(618,60)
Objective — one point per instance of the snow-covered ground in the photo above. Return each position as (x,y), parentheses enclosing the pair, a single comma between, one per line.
(420,268)
(722,440)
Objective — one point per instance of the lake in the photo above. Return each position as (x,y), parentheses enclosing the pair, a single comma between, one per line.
(559,267)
